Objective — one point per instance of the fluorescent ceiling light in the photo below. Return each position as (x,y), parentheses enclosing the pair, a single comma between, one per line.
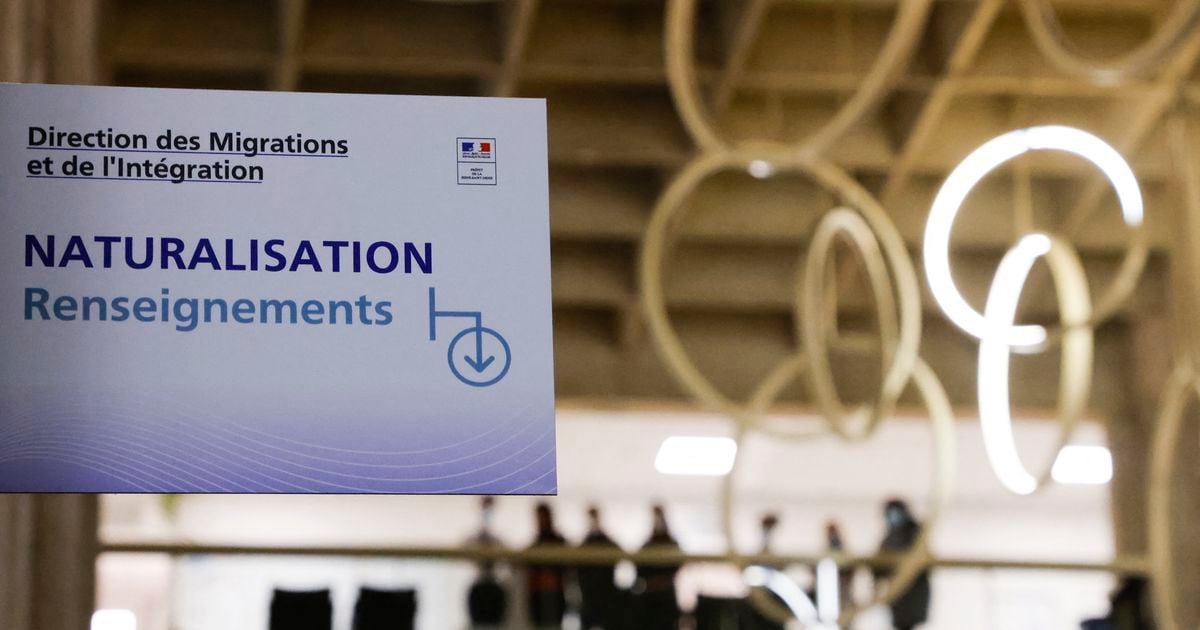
(1083,465)
(696,456)
(114,619)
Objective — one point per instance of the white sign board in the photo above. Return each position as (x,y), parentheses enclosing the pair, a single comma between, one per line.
(214,291)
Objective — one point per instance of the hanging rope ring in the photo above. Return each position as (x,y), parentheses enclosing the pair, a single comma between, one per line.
(681,75)
(1164,456)
(814,321)
(1043,24)
(664,221)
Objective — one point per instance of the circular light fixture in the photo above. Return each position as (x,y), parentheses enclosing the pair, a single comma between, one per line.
(994,405)
(974,168)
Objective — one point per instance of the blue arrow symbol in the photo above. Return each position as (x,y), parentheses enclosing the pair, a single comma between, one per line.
(479,364)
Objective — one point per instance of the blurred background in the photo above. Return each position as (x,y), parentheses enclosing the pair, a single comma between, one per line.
(766,69)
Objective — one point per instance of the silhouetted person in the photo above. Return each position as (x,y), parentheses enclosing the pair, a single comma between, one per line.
(752,618)
(835,546)
(1132,605)
(911,609)
(487,511)
(1132,608)
(544,582)
(658,609)
(487,600)
(766,528)
(599,598)
(833,538)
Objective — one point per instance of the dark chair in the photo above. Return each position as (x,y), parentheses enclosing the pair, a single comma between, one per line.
(754,619)
(655,610)
(301,610)
(718,613)
(385,610)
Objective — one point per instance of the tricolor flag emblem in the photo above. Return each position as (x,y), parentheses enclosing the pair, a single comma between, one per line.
(476,149)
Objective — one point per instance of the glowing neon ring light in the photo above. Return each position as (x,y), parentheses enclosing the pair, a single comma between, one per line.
(994,351)
(982,161)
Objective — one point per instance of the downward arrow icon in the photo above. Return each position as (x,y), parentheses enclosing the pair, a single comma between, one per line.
(478,361)
(480,364)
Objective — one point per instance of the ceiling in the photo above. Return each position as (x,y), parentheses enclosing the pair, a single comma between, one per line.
(770,69)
